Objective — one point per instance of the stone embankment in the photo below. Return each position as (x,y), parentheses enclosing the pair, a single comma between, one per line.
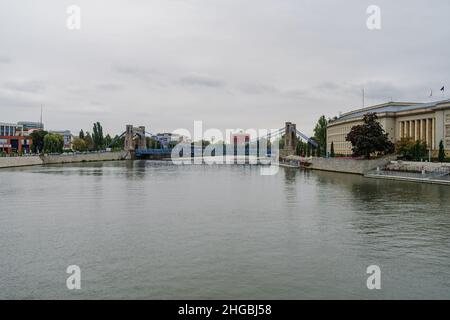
(344,165)
(9,162)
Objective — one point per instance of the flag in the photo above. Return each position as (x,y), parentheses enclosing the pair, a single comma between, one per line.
(442,89)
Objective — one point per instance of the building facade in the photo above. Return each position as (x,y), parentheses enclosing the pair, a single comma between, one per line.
(27,125)
(13,139)
(427,122)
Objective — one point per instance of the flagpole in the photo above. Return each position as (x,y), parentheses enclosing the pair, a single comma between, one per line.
(363,102)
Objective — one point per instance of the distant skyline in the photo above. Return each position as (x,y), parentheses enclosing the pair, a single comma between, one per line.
(231,64)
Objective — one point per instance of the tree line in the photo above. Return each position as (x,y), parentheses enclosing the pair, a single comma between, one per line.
(96,141)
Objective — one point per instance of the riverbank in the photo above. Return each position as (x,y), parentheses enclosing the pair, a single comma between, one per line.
(342,165)
(10,162)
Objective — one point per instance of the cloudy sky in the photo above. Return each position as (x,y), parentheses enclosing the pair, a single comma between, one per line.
(230,63)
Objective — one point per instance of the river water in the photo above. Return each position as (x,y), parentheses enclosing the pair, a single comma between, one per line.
(153,230)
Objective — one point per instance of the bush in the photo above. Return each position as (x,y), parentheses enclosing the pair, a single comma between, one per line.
(441,156)
(411,150)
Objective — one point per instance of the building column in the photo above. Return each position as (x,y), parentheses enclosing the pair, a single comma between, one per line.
(422,130)
(417,127)
(433,130)
(429,130)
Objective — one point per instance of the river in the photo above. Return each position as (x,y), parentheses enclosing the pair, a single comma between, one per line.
(153,230)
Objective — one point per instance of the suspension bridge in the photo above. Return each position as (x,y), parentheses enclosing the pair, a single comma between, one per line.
(135,143)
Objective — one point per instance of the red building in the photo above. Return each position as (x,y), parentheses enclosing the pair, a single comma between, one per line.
(13,139)
(239,138)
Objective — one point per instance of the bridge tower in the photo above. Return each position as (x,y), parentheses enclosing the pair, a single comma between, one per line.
(290,139)
(134,138)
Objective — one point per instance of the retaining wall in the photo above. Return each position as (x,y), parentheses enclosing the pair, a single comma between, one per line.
(103,156)
(349,165)
(8,162)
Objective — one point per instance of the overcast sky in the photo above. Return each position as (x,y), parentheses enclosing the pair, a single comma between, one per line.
(231,63)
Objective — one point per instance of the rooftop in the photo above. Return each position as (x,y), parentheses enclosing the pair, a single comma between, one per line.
(390,107)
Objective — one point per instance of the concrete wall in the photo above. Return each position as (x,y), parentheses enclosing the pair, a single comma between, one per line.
(104,156)
(8,162)
(349,165)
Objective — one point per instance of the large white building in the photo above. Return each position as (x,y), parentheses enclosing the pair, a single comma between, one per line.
(428,122)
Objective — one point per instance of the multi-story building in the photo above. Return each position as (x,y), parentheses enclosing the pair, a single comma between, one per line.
(167,139)
(427,122)
(13,139)
(67,136)
(27,125)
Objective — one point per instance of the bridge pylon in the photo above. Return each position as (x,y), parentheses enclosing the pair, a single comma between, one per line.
(134,139)
(290,139)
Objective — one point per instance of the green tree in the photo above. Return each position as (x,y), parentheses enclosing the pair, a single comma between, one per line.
(89,141)
(79,145)
(38,140)
(117,143)
(152,143)
(81,135)
(97,136)
(320,135)
(107,141)
(332,155)
(441,155)
(409,149)
(53,143)
(369,138)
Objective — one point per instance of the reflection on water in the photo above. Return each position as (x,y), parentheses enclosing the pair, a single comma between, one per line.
(154,230)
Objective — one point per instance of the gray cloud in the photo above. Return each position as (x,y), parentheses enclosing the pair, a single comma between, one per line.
(258,88)
(110,87)
(25,86)
(5,60)
(164,64)
(201,80)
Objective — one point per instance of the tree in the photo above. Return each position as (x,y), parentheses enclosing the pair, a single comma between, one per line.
(38,140)
(152,143)
(117,143)
(369,138)
(79,145)
(441,155)
(89,141)
(409,149)
(300,148)
(97,136)
(332,155)
(81,135)
(53,143)
(108,141)
(320,135)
